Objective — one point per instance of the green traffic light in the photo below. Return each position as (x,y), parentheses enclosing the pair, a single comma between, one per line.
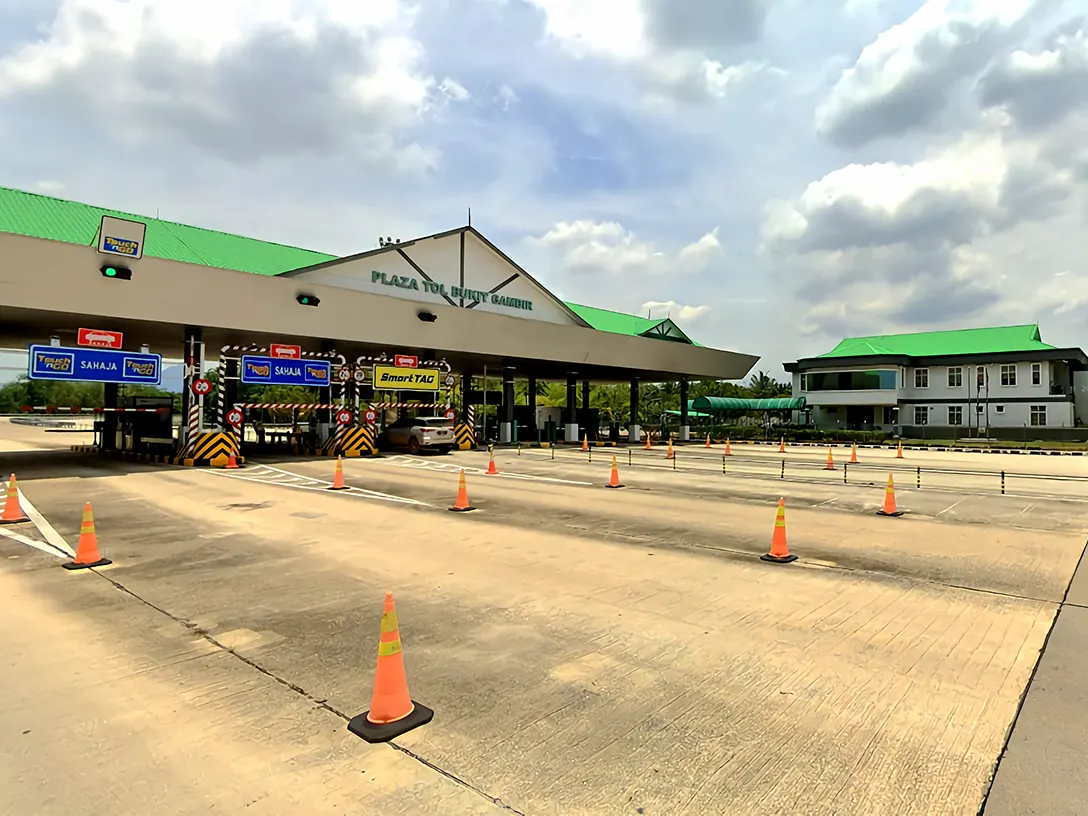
(110,272)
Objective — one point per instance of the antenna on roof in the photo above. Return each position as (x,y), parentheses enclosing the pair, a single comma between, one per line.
(470,216)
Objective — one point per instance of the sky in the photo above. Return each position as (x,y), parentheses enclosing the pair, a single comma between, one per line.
(773,174)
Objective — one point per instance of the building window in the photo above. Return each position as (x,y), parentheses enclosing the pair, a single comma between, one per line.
(921,378)
(921,414)
(1038,415)
(955,414)
(955,377)
(980,376)
(1036,374)
(1008,374)
(849,381)
(999,408)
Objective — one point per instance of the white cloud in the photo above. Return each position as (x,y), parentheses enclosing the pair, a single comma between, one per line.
(905,78)
(608,247)
(678,312)
(666,46)
(240,78)
(50,187)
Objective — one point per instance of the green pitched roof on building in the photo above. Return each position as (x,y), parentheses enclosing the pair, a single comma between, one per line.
(56,219)
(993,340)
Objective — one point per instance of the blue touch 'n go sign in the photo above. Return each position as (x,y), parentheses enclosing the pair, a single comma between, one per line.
(273,371)
(93,365)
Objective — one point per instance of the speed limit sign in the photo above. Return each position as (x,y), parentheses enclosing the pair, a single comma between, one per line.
(344,374)
(360,375)
(450,414)
(343,417)
(370,416)
(201,387)
(234,417)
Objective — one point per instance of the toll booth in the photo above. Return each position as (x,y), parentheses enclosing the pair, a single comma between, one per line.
(588,420)
(146,425)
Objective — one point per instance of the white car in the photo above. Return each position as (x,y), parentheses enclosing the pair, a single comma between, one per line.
(417,433)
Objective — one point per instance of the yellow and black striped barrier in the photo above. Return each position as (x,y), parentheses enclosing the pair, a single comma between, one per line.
(350,442)
(466,436)
(210,449)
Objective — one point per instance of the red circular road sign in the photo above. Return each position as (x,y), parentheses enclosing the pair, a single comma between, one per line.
(370,416)
(450,414)
(343,417)
(202,387)
(234,417)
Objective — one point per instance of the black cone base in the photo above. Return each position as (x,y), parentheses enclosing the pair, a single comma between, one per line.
(15,521)
(101,562)
(360,726)
(462,509)
(345,487)
(614,487)
(775,559)
(896,513)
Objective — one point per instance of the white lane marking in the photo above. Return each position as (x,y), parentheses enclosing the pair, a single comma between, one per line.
(442,467)
(955,504)
(38,545)
(1029,507)
(823,503)
(43,525)
(322,485)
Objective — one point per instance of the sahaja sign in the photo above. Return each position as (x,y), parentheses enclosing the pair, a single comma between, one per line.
(440,289)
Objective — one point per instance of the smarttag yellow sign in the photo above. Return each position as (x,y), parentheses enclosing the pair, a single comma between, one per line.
(392,378)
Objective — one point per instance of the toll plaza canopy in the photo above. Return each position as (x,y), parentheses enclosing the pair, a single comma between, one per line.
(453,295)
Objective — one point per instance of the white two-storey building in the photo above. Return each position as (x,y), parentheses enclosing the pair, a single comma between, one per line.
(1001,382)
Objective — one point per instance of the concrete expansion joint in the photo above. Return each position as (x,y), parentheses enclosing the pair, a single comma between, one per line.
(301,692)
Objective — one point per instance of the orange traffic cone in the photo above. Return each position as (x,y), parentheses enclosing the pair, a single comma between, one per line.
(728,450)
(87,554)
(780,552)
(889,508)
(585,442)
(649,436)
(782,445)
(462,505)
(707,440)
(614,479)
(232,462)
(830,462)
(13,511)
(670,453)
(854,453)
(392,711)
(491,469)
(899,451)
(338,477)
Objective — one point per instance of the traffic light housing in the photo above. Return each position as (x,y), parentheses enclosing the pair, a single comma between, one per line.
(308,300)
(116,272)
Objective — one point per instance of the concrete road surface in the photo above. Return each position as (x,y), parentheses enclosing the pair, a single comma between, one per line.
(586,651)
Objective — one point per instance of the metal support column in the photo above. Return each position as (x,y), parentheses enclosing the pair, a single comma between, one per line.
(506,426)
(571,434)
(109,419)
(324,415)
(634,430)
(193,352)
(685,428)
(533,429)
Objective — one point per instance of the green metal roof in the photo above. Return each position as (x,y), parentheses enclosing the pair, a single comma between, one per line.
(932,344)
(615,322)
(739,404)
(55,219)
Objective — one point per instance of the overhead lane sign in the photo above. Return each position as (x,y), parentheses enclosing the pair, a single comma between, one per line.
(392,378)
(93,365)
(272,371)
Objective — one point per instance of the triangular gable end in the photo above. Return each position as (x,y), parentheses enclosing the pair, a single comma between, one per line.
(667,330)
(459,268)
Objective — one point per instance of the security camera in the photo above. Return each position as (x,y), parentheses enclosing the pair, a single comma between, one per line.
(427,317)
